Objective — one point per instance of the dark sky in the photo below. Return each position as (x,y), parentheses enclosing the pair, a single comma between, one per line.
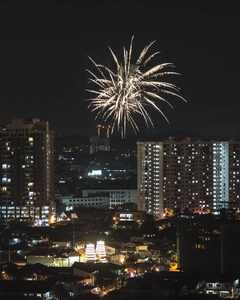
(44,47)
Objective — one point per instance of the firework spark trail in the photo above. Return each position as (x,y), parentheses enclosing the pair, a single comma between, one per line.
(123,94)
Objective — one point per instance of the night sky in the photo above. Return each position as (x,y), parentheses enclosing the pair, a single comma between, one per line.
(45,44)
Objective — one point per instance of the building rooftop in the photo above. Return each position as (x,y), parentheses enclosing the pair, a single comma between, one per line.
(92,267)
(24,286)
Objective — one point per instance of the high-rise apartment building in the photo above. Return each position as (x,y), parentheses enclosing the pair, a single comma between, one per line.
(150,180)
(26,171)
(234,176)
(221,173)
(202,176)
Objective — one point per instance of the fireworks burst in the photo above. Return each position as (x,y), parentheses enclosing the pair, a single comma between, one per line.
(122,95)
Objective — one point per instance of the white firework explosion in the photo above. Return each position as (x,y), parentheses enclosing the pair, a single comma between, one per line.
(122,95)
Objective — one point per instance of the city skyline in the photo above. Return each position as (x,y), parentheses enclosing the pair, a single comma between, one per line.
(85,213)
(44,56)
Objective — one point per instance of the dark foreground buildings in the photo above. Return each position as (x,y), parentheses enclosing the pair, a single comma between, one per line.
(209,244)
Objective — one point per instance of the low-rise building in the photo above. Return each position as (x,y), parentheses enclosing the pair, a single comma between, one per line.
(143,290)
(221,287)
(99,198)
(118,259)
(128,248)
(116,196)
(29,289)
(47,256)
(68,215)
(112,249)
(133,216)
(96,200)
(90,271)
(127,225)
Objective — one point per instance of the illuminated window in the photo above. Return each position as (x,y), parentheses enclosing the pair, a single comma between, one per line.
(30,139)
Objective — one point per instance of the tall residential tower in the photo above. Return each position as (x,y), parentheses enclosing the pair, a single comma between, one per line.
(150,180)
(26,160)
(202,176)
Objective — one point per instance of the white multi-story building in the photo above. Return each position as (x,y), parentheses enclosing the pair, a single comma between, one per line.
(100,198)
(96,201)
(202,176)
(116,196)
(220,175)
(150,179)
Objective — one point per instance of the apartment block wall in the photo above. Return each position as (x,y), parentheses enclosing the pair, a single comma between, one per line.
(26,170)
(202,176)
